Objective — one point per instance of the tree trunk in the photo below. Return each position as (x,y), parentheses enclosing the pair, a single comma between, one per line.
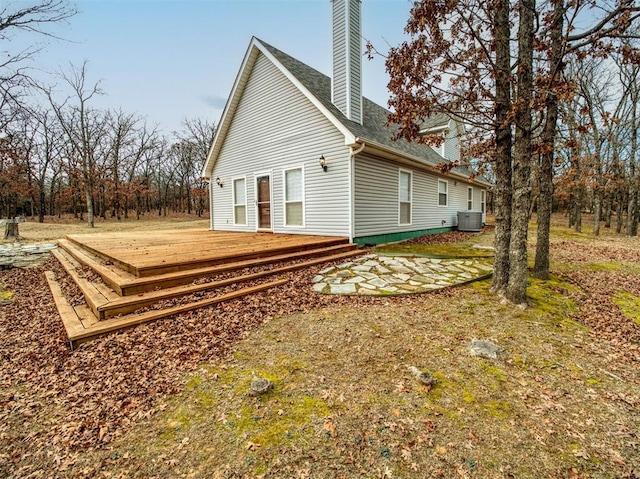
(619,212)
(597,210)
(632,205)
(89,199)
(502,199)
(517,287)
(608,210)
(545,199)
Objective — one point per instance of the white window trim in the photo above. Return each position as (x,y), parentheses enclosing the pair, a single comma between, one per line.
(233,201)
(284,199)
(400,171)
(438,194)
(470,189)
(483,201)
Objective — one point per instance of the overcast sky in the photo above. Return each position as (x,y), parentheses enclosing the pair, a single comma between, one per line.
(171,59)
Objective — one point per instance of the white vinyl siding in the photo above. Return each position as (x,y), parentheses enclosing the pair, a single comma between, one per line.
(443,193)
(376,198)
(240,201)
(404,194)
(346,93)
(294,197)
(470,199)
(274,128)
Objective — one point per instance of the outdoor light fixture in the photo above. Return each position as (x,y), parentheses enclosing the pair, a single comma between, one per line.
(219,182)
(323,163)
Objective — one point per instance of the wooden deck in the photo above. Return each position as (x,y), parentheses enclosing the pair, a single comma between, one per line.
(146,254)
(138,270)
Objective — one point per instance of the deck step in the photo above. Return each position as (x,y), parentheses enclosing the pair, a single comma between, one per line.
(127,304)
(126,284)
(112,276)
(169,280)
(134,319)
(70,320)
(92,295)
(79,334)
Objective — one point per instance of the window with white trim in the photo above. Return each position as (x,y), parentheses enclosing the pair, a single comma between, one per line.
(483,200)
(404,198)
(469,198)
(294,197)
(240,201)
(443,194)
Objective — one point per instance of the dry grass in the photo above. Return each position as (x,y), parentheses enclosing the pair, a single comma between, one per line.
(345,404)
(54,228)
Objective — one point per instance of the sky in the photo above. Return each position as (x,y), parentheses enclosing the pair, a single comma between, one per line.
(173,59)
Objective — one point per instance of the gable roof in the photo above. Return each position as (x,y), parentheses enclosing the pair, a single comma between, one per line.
(317,88)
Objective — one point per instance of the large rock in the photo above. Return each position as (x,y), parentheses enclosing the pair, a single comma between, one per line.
(484,349)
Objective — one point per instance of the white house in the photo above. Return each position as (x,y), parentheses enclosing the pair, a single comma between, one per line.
(299,152)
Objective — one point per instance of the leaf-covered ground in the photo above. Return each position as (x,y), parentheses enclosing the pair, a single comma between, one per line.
(168,399)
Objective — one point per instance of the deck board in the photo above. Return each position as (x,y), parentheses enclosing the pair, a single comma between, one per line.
(150,253)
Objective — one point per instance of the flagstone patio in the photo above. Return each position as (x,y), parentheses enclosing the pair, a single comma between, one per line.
(379,275)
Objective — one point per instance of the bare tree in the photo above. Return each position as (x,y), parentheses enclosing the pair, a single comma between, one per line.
(30,18)
(84,127)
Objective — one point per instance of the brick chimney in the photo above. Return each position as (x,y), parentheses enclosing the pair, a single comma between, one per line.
(346,83)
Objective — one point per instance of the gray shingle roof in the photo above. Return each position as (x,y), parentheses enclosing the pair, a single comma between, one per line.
(374,119)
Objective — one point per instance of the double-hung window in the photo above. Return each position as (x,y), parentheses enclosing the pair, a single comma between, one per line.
(443,193)
(294,197)
(404,197)
(240,201)
(470,198)
(483,201)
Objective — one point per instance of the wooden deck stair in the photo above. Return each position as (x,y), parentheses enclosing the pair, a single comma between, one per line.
(114,302)
(126,284)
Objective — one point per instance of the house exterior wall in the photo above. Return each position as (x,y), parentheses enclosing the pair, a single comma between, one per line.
(376,201)
(276,128)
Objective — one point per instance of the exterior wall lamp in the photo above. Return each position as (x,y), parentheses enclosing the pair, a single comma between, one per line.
(219,182)
(323,163)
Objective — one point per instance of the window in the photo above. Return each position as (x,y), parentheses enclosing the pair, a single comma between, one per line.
(404,198)
(240,201)
(470,198)
(483,200)
(293,198)
(442,193)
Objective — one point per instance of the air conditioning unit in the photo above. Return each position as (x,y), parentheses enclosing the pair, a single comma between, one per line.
(470,221)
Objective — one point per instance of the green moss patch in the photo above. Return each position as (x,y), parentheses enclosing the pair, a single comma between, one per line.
(550,299)
(435,250)
(6,297)
(629,304)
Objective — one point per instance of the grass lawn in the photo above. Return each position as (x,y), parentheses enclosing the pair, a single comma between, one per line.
(53,228)
(169,399)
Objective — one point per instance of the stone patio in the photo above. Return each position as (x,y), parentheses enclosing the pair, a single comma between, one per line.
(18,255)
(380,275)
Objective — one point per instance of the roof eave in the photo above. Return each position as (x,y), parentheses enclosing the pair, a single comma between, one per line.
(229,108)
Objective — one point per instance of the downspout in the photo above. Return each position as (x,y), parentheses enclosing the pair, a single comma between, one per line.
(352,154)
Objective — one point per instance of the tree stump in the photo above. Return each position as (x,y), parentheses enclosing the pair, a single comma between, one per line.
(11,230)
